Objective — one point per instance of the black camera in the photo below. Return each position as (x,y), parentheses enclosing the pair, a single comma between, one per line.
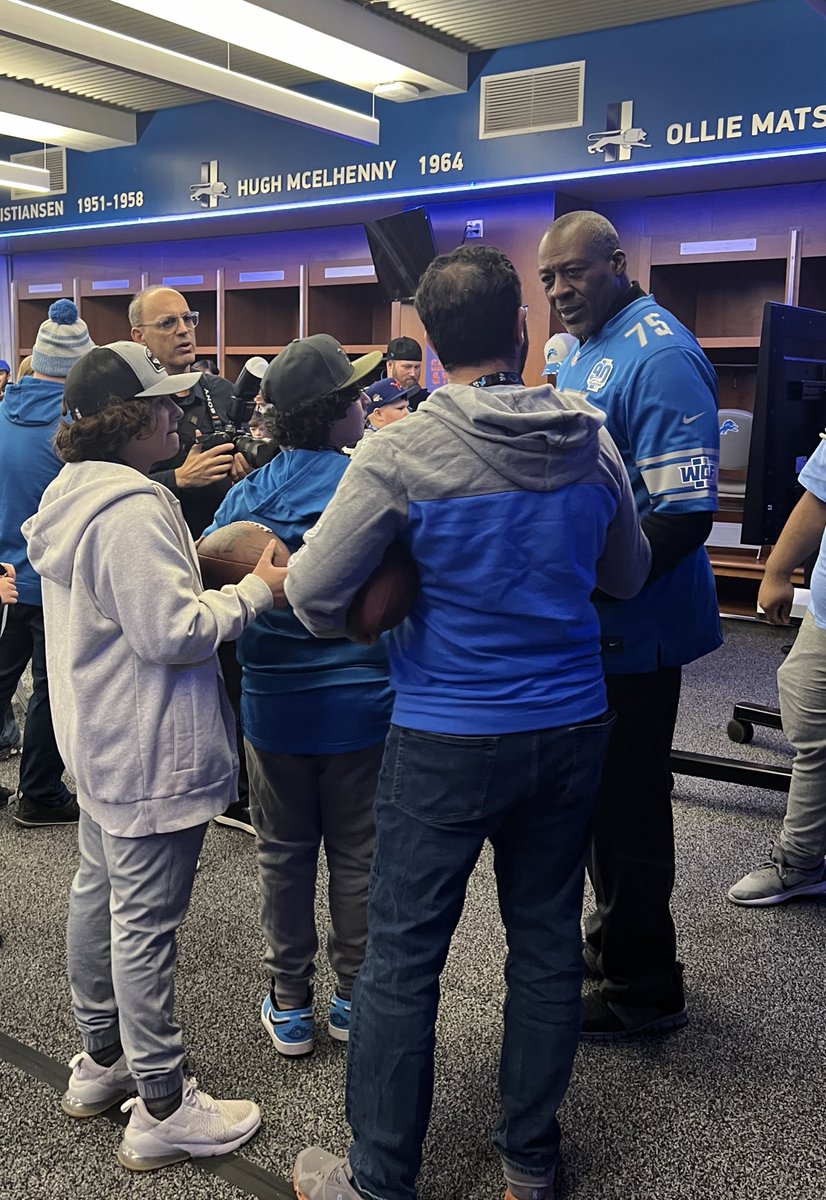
(257,451)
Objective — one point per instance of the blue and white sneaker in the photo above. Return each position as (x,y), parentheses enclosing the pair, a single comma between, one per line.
(338,1023)
(291,1031)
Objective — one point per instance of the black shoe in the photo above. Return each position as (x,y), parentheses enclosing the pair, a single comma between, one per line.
(238,817)
(8,752)
(32,815)
(601,1021)
(5,795)
(589,958)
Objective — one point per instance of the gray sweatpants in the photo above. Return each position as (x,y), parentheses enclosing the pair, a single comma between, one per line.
(128,899)
(801,681)
(296,802)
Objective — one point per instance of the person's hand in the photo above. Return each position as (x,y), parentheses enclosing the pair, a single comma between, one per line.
(775,598)
(8,587)
(200,468)
(272,575)
(240,468)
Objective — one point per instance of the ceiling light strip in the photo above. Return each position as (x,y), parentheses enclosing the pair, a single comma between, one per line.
(431,192)
(117,49)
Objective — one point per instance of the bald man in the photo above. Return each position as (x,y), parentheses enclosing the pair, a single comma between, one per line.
(647,373)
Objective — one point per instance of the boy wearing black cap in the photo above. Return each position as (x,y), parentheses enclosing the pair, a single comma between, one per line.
(315,714)
(146,731)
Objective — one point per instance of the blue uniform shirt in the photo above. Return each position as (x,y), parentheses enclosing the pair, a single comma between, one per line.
(658,391)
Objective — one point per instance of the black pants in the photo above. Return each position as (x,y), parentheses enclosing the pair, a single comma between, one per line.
(41,767)
(631,937)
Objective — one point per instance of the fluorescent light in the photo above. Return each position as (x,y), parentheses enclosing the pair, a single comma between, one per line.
(103,45)
(40,116)
(325,37)
(30,179)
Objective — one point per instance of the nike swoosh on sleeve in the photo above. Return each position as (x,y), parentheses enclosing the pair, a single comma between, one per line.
(688,420)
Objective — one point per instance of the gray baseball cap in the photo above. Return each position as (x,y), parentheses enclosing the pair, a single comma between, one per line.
(118,372)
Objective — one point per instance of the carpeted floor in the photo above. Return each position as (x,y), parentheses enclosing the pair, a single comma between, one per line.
(728,1108)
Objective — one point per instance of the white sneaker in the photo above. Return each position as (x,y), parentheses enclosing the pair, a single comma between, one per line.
(93,1088)
(200,1128)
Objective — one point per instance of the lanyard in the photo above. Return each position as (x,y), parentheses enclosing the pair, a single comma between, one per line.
(497,379)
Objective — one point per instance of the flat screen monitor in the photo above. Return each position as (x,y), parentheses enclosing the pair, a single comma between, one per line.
(402,248)
(789,416)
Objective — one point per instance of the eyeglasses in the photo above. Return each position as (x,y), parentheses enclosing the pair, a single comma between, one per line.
(167,324)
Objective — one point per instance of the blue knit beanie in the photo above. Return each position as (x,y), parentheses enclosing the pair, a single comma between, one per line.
(61,341)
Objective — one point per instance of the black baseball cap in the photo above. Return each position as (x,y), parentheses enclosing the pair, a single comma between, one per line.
(311,368)
(403,349)
(118,372)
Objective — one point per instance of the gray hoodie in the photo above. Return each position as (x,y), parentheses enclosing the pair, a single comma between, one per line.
(138,704)
(515,504)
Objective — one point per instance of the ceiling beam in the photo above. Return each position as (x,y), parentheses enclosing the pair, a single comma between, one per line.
(41,116)
(332,38)
(53,29)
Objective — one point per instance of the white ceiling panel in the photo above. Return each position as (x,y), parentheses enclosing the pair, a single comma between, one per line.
(467,24)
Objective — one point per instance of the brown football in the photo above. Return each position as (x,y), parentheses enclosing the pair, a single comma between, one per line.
(230,553)
(386,598)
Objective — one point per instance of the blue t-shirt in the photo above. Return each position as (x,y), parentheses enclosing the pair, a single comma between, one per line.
(658,391)
(813,479)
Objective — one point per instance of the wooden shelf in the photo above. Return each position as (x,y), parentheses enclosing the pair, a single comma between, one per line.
(729,343)
(720,301)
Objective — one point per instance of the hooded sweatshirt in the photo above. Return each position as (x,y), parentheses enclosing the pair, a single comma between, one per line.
(301,695)
(140,714)
(515,505)
(29,416)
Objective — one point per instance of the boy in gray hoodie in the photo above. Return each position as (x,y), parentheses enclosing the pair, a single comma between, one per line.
(145,729)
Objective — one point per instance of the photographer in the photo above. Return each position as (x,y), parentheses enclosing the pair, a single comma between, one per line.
(162,321)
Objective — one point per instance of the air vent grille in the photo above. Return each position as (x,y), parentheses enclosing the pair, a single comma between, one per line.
(53,160)
(531,101)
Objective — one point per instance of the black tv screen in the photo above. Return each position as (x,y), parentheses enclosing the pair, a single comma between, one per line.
(402,248)
(789,416)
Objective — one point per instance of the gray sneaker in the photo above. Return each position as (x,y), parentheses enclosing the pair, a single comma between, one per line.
(522,1186)
(318,1175)
(774,882)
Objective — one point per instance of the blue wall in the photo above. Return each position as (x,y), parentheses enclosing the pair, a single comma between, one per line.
(732,83)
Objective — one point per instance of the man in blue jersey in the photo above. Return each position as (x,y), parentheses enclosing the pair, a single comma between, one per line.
(514,505)
(647,373)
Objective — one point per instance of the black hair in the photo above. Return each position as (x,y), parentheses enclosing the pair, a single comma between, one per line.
(102,437)
(309,427)
(467,302)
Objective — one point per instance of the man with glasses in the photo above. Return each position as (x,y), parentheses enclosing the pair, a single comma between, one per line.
(162,321)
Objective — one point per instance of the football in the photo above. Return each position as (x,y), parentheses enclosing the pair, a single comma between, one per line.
(386,598)
(230,553)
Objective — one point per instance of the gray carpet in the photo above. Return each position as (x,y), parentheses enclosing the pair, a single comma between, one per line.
(727,1108)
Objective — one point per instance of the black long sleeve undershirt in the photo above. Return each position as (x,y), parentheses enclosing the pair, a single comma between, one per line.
(673,536)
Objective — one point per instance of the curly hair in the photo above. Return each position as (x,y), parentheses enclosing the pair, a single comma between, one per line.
(101,438)
(467,302)
(309,428)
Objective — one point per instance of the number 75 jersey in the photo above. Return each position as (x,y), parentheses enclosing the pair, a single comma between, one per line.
(658,391)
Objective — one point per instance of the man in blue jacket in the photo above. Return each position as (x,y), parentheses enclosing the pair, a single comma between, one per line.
(514,505)
(29,417)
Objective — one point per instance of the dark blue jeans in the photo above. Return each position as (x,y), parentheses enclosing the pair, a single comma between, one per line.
(41,766)
(439,798)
